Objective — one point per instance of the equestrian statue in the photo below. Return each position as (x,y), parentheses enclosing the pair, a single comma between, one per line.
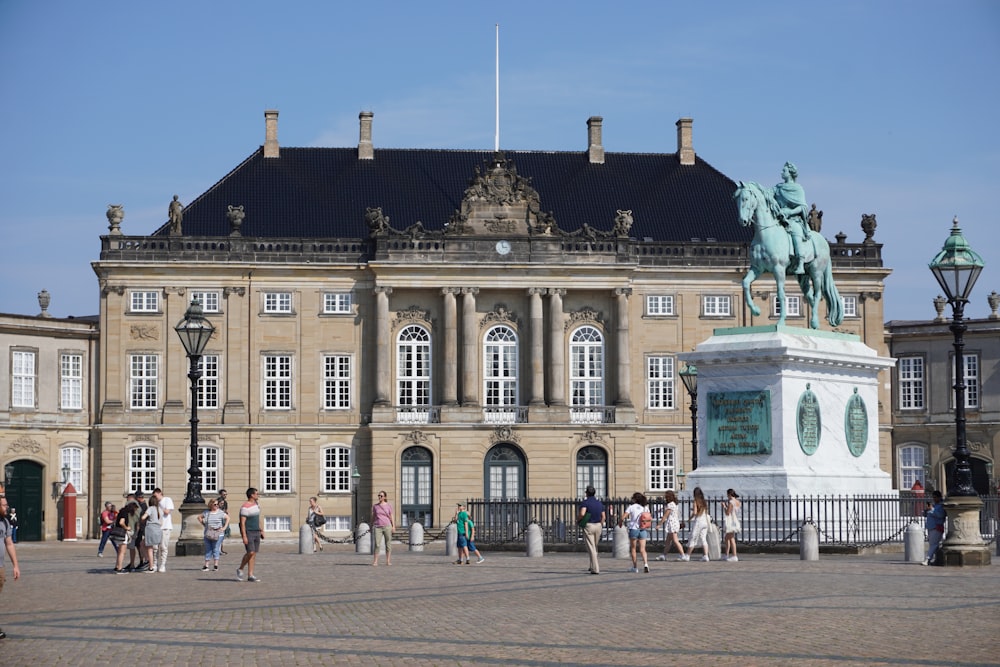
(783,244)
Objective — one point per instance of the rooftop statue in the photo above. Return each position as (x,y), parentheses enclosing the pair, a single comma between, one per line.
(777,215)
(176,215)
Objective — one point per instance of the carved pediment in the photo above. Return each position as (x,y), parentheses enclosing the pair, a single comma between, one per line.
(584,315)
(412,314)
(499,202)
(499,315)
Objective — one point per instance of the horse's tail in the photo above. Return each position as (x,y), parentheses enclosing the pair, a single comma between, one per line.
(834,306)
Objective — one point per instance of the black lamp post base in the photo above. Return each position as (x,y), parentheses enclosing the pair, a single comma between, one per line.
(191,541)
(964,545)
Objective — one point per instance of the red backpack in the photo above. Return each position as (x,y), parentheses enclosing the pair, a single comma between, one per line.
(645,520)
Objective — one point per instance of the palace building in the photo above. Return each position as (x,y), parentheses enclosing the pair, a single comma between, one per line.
(440,324)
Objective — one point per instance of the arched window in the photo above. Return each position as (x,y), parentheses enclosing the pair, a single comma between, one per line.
(416,491)
(500,372)
(911,466)
(413,367)
(591,470)
(72,458)
(504,473)
(586,375)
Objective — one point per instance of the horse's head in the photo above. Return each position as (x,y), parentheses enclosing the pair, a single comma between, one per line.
(747,201)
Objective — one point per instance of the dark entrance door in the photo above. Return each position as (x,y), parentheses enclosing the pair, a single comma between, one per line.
(24,492)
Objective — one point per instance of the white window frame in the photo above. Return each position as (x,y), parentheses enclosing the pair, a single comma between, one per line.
(793,303)
(209,299)
(970,378)
(72,456)
(716,305)
(911,460)
(850,306)
(413,367)
(209,461)
(662,467)
(338,381)
(70,381)
(209,384)
(144,301)
(337,303)
(500,364)
(142,468)
(912,382)
(277,373)
(277,303)
(660,305)
(23,378)
(276,466)
(661,382)
(278,524)
(587,359)
(144,381)
(336,469)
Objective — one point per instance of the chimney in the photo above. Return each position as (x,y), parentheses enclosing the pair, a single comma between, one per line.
(685,147)
(595,151)
(271,133)
(365,150)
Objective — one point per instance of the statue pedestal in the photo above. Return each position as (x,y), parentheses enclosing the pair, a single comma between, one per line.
(964,545)
(785,411)
(191,541)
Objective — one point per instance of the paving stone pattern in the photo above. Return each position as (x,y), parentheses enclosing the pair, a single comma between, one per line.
(334,608)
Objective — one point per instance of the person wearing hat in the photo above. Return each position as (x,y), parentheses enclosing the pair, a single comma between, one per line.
(592,510)
(107,523)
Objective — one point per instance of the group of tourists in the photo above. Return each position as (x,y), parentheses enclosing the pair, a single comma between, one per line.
(638,519)
(141,529)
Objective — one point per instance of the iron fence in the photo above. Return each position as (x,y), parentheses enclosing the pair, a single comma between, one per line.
(848,521)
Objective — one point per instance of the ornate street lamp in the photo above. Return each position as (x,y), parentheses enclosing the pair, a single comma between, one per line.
(956,268)
(355,478)
(689,376)
(195,331)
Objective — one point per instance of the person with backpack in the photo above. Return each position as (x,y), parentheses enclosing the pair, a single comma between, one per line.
(640,522)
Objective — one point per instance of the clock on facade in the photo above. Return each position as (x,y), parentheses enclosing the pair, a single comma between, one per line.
(503,247)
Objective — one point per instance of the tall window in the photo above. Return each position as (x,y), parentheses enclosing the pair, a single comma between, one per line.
(336,469)
(415,491)
(659,305)
(144,301)
(413,366)
(911,466)
(208,461)
(911,383)
(72,457)
(209,300)
(716,306)
(850,306)
(143,380)
(970,371)
(660,382)
(586,353)
(277,469)
(591,470)
(142,469)
(504,473)
(22,389)
(71,381)
(500,367)
(277,382)
(337,303)
(662,468)
(208,384)
(336,381)
(278,302)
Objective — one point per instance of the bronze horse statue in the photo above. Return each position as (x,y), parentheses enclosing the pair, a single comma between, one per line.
(771,252)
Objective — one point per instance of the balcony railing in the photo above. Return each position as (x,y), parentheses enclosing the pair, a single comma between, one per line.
(418,414)
(512,414)
(592,414)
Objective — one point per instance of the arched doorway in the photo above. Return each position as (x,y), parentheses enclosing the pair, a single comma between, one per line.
(24,492)
(416,492)
(980,475)
(504,487)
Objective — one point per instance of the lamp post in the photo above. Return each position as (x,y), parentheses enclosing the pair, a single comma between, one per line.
(355,478)
(194,331)
(956,268)
(689,376)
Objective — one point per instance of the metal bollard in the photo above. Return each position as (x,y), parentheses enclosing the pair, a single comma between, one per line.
(620,543)
(809,543)
(913,544)
(305,539)
(363,545)
(533,541)
(451,540)
(417,537)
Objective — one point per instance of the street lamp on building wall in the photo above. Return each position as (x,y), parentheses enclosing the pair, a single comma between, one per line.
(689,376)
(956,268)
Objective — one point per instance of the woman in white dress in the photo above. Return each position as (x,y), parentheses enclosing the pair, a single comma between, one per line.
(731,524)
(699,526)
(670,519)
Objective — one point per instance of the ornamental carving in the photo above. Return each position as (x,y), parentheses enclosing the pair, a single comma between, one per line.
(499,183)
(144,332)
(499,315)
(238,291)
(412,314)
(585,315)
(504,434)
(868,225)
(24,445)
(591,438)
(417,437)
(623,223)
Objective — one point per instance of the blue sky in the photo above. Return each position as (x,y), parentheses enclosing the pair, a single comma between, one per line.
(886,107)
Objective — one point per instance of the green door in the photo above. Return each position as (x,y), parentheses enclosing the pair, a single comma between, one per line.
(24,492)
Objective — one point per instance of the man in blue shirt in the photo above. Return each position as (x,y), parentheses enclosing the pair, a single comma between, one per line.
(593,510)
(934,523)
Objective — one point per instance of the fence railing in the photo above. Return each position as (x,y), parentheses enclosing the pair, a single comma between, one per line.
(849,521)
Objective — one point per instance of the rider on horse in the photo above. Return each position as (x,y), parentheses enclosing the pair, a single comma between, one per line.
(791,200)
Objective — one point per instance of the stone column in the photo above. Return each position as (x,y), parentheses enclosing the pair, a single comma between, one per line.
(557,375)
(623,348)
(469,342)
(449,385)
(536,352)
(382,345)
